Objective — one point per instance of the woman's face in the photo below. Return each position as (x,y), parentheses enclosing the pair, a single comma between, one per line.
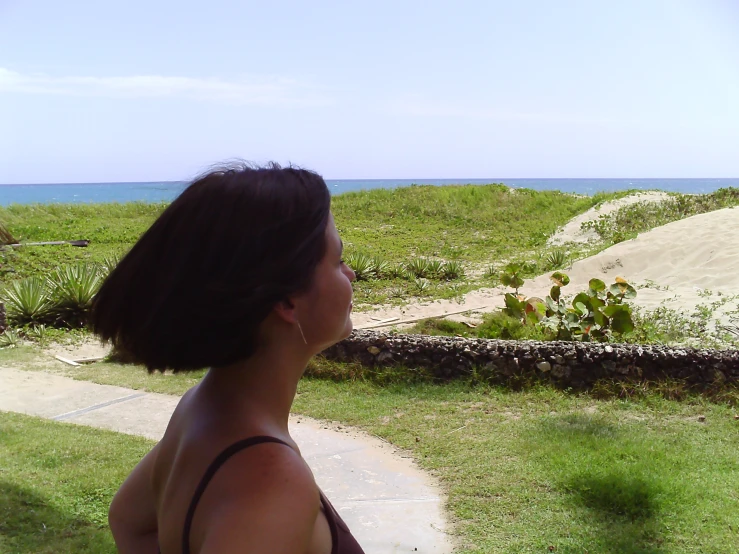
(324,312)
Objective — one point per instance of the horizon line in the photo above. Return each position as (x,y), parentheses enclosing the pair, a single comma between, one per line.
(415,180)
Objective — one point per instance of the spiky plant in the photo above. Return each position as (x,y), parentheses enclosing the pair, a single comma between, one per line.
(9,339)
(491,272)
(556,259)
(435,268)
(397,271)
(380,267)
(422,285)
(362,265)
(418,267)
(28,301)
(73,288)
(108,263)
(452,270)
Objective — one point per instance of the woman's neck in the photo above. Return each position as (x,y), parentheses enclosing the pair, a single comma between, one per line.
(260,389)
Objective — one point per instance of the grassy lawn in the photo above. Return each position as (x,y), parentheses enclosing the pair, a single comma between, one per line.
(522,470)
(56,483)
(476,225)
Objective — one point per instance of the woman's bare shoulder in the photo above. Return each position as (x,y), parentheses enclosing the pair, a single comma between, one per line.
(265,493)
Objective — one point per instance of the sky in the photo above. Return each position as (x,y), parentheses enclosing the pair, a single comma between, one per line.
(95,91)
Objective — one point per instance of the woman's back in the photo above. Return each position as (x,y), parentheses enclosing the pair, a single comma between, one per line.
(194,438)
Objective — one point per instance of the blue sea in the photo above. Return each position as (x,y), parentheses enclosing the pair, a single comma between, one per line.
(156,192)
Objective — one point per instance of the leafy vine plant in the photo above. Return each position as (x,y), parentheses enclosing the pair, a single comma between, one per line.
(594,315)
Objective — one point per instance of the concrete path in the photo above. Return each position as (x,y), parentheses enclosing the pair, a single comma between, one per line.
(387,502)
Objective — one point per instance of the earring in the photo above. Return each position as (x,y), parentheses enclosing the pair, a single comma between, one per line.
(301,332)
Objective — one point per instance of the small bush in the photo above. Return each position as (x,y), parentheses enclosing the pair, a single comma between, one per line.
(556,259)
(418,267)
(28,301)
(73,289)
(491,272)
(452,270)
(397,271)
(362,265)
(435,268)
(422,285)
(380,268)
(9,339)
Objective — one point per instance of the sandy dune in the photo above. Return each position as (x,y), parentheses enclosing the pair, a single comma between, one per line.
(572,231)
(681,265)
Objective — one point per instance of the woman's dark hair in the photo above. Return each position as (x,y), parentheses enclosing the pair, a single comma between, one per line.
(194,289)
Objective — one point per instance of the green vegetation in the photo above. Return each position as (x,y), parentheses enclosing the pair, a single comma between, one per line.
(63,299)
(617,470)
(631,220)
(56,483)
(386,230)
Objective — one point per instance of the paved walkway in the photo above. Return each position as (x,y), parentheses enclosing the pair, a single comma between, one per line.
(389,504)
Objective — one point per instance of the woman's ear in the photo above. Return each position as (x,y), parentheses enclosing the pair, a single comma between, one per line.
(285,310)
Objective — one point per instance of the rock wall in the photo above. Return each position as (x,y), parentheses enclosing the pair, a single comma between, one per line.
(572,364)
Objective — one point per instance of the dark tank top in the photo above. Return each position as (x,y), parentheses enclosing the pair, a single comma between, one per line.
(342,541)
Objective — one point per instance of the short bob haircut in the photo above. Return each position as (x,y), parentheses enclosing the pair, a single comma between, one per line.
(194,289)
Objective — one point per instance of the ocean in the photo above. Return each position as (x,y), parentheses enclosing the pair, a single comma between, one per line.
(167,191)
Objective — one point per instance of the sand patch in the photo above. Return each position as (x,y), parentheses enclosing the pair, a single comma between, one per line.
(681,265)
(573,232)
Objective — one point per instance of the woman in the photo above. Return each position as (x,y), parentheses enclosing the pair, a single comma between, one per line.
(241,274)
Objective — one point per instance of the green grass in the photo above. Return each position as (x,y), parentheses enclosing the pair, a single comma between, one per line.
(111,228)
(522,471)
(56,483)
(476,225)
(631,220)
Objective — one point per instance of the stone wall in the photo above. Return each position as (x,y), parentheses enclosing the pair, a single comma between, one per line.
(573,364)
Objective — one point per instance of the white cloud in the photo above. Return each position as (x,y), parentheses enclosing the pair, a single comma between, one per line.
(254,90)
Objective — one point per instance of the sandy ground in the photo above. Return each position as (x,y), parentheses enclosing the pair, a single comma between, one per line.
(572,232)
(681,265)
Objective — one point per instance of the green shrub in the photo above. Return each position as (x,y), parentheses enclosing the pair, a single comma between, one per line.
(511,276)
(452,270)
(28,301)
(9,338)
(380,267)
(435,268)
(422,285)
(418,267)
(362,265)
(397,271)
(73,288)
(556,259)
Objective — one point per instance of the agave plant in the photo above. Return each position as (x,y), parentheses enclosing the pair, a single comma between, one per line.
(422,285)
(435,268)
(38,332)
(362,265)
(418,267)
(9,339)
(452,270)
(380,267)
(397,271)
(108,264)
(556,259)
(73,288)
(28,301)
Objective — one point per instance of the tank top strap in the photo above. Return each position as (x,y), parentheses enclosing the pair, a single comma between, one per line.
(210,472)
